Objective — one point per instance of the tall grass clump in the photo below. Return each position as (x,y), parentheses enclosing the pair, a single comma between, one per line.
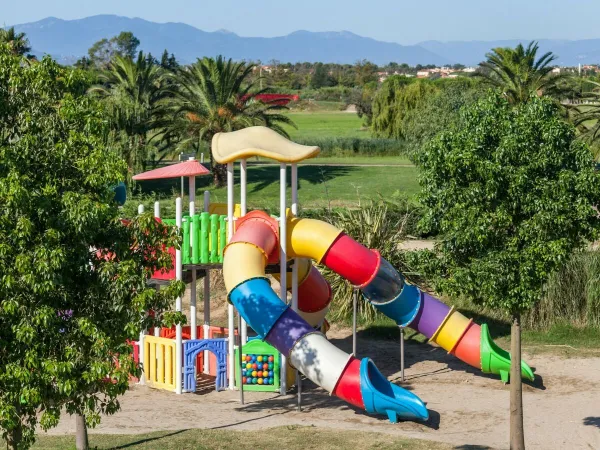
(380,225)
(572,294)
(348,147)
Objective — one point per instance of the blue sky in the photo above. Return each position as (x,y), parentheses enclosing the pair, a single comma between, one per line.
(402,21)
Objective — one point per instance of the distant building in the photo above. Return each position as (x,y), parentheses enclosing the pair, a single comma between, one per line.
(423,74)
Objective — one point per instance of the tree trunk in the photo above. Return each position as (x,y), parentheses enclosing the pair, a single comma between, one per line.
(15,436)
(517,433)
(219,174)
(81,434)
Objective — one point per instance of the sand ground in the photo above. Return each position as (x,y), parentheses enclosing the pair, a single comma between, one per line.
(467,408)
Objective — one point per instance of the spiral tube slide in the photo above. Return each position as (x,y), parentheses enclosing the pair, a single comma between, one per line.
(408,306)
(254,244)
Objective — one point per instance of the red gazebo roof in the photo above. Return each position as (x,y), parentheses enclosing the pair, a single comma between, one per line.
(189,168)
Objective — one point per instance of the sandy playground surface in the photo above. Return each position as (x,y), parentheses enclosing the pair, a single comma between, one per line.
(467,408)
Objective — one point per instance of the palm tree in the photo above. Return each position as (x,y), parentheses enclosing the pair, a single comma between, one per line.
(17,42)
(211,96)
(517,73)
(132,91)
(587,117)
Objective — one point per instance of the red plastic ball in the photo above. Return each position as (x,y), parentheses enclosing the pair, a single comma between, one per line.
(265,366)
(271,359)
(244,380)
(254,366)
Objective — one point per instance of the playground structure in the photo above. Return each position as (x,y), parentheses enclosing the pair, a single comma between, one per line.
(249,245)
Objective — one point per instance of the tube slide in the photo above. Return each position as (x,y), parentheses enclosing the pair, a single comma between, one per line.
(254,244)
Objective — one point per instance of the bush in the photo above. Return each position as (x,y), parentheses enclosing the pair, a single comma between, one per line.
(344,146)
(571,295)
(330,94)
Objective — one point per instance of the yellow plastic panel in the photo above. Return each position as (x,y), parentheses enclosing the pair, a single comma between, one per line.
(159,362)
(309,238)
(242,262)
(258,141)
(221,209)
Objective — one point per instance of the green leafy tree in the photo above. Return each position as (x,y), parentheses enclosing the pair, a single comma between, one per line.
(362,99)
(168,62)
(131,91)
(319,76)
(212,96)
(365,72)
(393,103)
(519,74)
(440,110)
(125,44)
(73,278)
(511,194)
(17,43)
(587,116)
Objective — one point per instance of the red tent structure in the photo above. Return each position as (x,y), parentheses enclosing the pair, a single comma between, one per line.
(191,168)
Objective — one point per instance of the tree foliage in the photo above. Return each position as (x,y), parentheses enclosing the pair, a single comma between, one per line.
(211,96)
(17,43)
(73,278)
(518,74)
(439,111)
(132,91)
(125,44)
(512,194)
(393,103)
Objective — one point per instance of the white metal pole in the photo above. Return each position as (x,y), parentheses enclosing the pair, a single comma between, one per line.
(142,332)
(156,214)
(295,271)
(178,275)
(402,354)
(243,202)
(283,259)
(206,296)
(354,306)
(230,310)
(193,332)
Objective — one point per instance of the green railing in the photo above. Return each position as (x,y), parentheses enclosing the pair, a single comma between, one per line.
(204,238)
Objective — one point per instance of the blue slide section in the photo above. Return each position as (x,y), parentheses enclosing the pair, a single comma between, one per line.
(381,396)
(258,304)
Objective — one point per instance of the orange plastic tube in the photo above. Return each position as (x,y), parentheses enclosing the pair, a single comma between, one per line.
(468,346)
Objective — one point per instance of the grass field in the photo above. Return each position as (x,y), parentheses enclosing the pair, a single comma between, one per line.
(326,125)
(319,186)
(291,437)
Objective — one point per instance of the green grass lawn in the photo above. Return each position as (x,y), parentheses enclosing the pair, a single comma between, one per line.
(322,186)
(292,437)
(326,125)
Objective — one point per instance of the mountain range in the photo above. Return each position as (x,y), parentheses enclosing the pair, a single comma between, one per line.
(68,40)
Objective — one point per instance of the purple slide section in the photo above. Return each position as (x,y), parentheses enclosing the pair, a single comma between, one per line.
(430,316)
(287,330)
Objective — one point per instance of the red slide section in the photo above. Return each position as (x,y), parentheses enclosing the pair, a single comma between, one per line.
(353,261)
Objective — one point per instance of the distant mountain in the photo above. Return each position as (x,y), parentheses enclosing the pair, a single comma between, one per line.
(570,53)
(68,40)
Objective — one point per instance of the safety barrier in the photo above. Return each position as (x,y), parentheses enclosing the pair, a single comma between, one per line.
(159,362)
(204,237)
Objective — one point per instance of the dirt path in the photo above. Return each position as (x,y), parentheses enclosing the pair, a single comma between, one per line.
(562,410)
